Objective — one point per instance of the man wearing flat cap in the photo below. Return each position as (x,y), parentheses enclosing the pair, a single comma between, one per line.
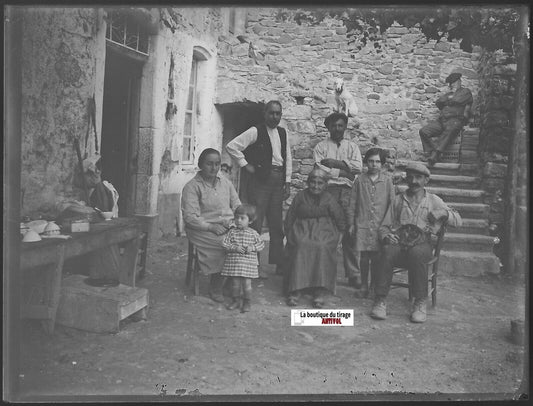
(454,109)
(420,211)
(341,159)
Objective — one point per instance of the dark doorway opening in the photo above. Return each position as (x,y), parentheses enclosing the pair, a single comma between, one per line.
(120,124)
(238,117)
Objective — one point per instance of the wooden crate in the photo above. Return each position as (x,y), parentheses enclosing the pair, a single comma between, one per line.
(98,309)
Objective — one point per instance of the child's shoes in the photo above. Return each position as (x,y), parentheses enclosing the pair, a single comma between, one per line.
(246,307)
(234,304)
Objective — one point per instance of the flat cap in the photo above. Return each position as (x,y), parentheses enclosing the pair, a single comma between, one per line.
(453,77)
(334,117)
(417,168)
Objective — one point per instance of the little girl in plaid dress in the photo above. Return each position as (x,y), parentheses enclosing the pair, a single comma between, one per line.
(242,244)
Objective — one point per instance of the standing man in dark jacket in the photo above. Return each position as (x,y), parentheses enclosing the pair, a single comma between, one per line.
(265,152)
(454,109)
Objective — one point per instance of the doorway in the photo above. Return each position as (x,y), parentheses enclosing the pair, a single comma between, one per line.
(120,125)
(237,118)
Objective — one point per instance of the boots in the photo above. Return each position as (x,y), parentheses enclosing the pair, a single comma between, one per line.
(216,282)
(418,314)
(433,158)
(379,309)
(236,302)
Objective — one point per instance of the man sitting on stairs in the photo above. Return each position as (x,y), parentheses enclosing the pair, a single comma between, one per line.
(414,207)
(454,109)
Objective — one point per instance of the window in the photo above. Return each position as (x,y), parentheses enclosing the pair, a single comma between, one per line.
(190,114)
(126,32)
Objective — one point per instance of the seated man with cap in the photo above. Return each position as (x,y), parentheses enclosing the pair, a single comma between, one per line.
(415,209)
(454,109)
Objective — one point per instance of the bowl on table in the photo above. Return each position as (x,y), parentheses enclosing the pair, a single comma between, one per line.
(52,229)
(37,225)
(31,236)
(107,215)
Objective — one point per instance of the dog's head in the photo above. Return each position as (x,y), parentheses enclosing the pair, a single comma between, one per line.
(339,84)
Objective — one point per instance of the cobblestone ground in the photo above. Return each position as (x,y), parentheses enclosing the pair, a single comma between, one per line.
(191,346)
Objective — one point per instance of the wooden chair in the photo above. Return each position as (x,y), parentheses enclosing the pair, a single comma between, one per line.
(193,269)
(432,267)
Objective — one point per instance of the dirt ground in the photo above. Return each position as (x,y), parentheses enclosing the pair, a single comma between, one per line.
(191,346)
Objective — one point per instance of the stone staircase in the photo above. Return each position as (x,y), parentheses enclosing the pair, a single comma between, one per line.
(467,250)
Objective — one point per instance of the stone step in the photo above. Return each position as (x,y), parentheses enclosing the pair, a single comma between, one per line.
(469,141)
(453,194)
(469,148)
(469,131)
(469,157)
(467,242)
(467,263)
(471,210)
(454,181)
(473,226)
(444,168)
(471,169)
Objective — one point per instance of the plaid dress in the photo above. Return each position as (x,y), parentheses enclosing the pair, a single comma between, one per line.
(245,265)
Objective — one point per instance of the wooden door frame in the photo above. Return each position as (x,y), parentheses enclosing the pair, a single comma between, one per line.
(132,125)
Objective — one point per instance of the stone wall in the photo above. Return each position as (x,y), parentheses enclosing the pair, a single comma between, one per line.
(496,103)
(63,65)
(59,75)
(394,80)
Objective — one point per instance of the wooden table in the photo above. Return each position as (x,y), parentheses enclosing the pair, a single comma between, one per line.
(49,255)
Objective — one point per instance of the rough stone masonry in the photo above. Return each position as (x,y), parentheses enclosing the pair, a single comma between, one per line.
(394,80)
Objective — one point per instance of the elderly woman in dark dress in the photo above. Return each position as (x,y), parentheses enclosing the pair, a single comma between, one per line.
(313,224)
(208,203)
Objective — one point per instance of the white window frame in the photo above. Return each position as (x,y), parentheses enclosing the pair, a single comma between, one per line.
(192,112)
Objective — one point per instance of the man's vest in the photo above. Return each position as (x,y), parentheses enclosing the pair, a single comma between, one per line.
(259,154)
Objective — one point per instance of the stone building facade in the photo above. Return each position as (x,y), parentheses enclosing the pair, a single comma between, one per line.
(203,79)
(70,56)
(394,80)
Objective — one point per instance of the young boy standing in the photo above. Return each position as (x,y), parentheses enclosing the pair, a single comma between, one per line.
(372,194)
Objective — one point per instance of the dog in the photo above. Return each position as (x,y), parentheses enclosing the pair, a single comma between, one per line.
(345,101)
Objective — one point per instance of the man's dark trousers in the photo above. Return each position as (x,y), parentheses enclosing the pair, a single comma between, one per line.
(437,135)
(267,196)
(414,259)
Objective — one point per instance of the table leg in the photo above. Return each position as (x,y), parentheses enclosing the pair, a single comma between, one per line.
(128,268)
(55,285)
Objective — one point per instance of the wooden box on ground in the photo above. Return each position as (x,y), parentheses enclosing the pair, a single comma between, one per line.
(98,309)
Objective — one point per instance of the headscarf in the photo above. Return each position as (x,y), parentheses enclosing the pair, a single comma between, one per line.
(318,173)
